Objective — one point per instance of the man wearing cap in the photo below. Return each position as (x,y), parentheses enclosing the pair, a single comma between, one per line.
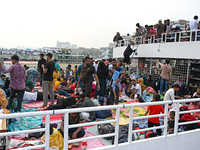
(175,29)
(160,28)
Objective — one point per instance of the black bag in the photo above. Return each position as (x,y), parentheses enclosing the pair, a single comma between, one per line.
(106,129)
(141,100)
(35,135)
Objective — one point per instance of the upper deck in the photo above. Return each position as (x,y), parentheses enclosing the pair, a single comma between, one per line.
(177,45)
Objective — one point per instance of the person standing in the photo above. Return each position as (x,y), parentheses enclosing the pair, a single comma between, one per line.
(57,65)
(160,28)
(47,83)
(87,71)
(166,75)
(102,73)
(42,61)
(113,100)
(17,82)
(79,72)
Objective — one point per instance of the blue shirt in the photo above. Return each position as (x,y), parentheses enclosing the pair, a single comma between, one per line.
(79,69)
(63,84)
(116,75)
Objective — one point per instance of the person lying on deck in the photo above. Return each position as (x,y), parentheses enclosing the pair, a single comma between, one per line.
(73,133)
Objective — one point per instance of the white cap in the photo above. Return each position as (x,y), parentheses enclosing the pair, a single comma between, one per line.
(160,20)
(174,26)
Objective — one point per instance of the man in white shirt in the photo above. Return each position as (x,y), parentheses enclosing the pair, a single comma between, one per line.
(194,25)
(169,95)
(95,65)
(136,88)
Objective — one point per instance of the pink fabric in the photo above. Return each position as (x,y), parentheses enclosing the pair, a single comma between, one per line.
(151,90)
(152,31)
(106,62)
(194,107)
(35,104)
(54,118)
(95,143)
(127,114)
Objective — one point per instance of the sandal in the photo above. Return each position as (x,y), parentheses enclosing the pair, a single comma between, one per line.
(43,106)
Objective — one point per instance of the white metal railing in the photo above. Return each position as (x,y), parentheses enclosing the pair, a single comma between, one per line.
(116,121)
(182,36)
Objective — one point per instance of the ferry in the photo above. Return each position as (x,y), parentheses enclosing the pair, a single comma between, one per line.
(184,57)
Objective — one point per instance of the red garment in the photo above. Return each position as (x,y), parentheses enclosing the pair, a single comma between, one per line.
(189,117)
(155,110)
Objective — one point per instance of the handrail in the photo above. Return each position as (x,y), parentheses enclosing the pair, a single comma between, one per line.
(165,38)
(116,121)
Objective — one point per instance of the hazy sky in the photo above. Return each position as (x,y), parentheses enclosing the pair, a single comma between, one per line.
(86,23)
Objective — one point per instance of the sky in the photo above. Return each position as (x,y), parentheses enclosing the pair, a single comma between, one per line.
(86,23)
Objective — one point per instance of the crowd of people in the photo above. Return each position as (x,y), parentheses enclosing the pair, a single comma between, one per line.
(154,32)
(93,79)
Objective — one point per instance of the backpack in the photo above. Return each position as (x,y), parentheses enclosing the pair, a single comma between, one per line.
(101,99)
(106,129)
(123,133)
(102,114)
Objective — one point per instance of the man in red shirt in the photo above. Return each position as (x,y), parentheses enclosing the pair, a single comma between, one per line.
(155,110)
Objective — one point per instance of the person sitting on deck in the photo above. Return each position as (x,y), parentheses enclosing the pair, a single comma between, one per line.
(136,88)
(197,93)
(73,133)
(55,138)
(63,88)
(29,85)
(195,105)
(87,102)
(170,127)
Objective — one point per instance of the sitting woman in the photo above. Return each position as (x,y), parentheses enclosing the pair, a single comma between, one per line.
(55,138)
(194,106)
(183,91)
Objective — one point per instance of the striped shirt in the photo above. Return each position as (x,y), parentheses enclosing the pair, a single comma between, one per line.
(166,72)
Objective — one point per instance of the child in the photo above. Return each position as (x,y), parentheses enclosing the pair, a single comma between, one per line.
(115,77)
(170,127)
(155,110)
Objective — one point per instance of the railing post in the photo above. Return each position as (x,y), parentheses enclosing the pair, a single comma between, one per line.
(195,35)
(190,36)
(130,125)
(66,121)
(176,118)
(175,36)
(165,37)
(179,36)
(165,120)
(47,131)
(117,127)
